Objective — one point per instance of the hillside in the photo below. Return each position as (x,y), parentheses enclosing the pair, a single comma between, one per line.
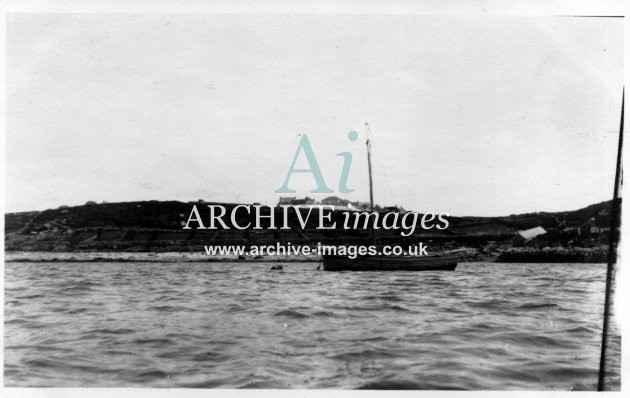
(156,226)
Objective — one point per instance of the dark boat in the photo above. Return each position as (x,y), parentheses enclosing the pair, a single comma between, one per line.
(432,262)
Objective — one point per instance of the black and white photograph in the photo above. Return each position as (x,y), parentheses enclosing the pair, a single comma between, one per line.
(374,196)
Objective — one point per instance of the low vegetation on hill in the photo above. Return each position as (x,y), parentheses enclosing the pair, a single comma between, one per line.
(157,226)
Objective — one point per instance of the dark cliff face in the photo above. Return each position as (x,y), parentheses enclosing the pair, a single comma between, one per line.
(155,225)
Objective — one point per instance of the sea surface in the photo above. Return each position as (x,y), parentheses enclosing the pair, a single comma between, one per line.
(242,325)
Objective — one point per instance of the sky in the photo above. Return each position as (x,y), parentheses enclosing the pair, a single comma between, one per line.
(468,115)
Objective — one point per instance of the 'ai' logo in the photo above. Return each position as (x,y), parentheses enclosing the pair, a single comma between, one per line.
(305,146)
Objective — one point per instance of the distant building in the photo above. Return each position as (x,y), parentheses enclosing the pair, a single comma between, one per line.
(599,230)
(286,200)
(335,201)
(592,227)
(525,236)
(305,201)
(293,201)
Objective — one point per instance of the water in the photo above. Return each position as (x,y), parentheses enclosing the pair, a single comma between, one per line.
(240,325)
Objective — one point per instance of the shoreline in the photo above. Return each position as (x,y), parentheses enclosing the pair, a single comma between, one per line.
(525,256)
(144,257)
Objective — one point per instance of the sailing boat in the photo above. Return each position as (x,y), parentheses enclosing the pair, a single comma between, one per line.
(380,262)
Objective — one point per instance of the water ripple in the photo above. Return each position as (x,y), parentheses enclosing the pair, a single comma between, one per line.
(222,325)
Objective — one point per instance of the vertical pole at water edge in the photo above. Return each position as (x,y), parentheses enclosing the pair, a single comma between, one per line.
(612,255)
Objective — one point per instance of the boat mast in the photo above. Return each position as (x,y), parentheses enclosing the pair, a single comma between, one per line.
(367,144)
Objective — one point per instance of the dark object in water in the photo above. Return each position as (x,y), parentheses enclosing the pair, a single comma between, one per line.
(277,267)
(390,263)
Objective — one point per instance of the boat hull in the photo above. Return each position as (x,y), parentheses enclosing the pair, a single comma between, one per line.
(390,263)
